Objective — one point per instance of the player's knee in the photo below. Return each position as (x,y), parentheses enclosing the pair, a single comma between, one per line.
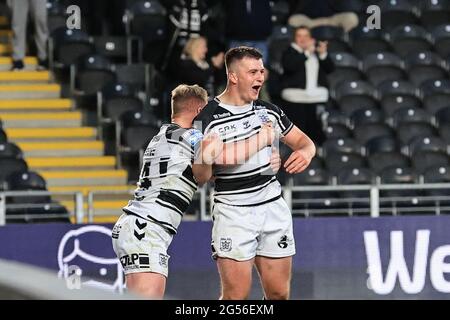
(234,296)
(279,294)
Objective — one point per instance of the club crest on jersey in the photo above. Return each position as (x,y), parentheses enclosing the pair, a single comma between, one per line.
(193,136)
(225,244)
(246,124)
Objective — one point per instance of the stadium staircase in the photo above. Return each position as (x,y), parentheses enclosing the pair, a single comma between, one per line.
(50,132)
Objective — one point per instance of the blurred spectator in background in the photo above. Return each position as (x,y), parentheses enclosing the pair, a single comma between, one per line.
(38,11)
(249,23)
(314,13)
(304,81)
(193,67)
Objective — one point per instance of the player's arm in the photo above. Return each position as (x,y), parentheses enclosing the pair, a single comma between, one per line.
(210,147)
(303,150)
(240,151)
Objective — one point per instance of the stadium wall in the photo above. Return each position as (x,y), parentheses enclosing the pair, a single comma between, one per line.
(403,257)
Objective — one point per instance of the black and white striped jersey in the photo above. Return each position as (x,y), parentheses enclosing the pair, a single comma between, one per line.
(253,182)
(166,178)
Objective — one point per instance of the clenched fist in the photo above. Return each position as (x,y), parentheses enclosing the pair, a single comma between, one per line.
(212,147)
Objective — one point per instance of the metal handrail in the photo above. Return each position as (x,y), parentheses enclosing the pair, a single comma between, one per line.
(78,197)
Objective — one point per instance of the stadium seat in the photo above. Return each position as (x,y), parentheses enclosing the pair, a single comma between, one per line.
(365,116)
(337,161)
(410,115)
(134,130)
(27,181)
(366,132)
(311,176)
(383,66)
(119,49)
(278,42)
(115,99)
(382,160)
(436,94)
(434,13)
(336,37)
(56,15)
(341,145)
(443,121)
(337,131)
(280,12)
(426,144)
(355,176)
(367,41)
(424,160)
(441,35)
(3,137)
(37,213)
(10,166)
(139,75)
(409,38)
(396,13)
(423,66)
(398,175)
(332,116)
(346,67)
(353,95)
(67,45)
(406,131)
(10,150)
(438,174)
(381,144)
(91,73)
(148,20)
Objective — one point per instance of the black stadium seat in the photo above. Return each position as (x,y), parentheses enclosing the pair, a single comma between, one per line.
(383,66)
(341,145)
(346,67)
(425,65)
(67,45)
(436,94)
(353,95)
(137,129)
(410,115)
(367,41)
(426,160)
(10,166)
(426,144)
(27,181)
(91,73)
(406,131)
(434,12)
(409,38)
(337,41)
(382,160)
(441,35)
(366,132)
(337,161)
(311,176)
(337,131)
(398,12)
(366,116)
(10,150)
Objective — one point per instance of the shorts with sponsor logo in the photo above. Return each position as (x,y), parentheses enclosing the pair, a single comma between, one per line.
(141,245)
(241,233)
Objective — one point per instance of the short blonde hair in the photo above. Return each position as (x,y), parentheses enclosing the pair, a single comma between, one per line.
(182,93)
(190,44)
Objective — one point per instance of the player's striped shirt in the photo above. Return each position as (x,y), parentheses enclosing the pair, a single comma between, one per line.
(253,182)
(166,177)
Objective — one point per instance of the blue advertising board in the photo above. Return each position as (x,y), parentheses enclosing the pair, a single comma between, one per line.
(403,257)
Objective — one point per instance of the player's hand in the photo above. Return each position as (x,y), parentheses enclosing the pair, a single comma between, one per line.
(266,134)
(322,48)
(275,160)
(212,147)
(297,162)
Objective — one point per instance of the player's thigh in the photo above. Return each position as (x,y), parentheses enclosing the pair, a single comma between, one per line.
(275,275)
(236,277)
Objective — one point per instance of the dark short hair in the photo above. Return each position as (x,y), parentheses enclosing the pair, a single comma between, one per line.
(299,28)
(239,53)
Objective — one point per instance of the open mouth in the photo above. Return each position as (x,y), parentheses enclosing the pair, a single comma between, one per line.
(256,89)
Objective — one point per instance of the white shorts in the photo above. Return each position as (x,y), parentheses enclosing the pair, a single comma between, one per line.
(141,245)
(241,233)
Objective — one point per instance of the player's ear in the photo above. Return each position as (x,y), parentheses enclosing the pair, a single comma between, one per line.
(233,77)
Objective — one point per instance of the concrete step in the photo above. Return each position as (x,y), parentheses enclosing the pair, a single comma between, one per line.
(30,63)
(30,91)
(5,36)
(123,190)
(51,134)
(100,207)
(27,105)
(42,119)
(86,177)
(54,149)
(24,76)
(5,48)
(71,163)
